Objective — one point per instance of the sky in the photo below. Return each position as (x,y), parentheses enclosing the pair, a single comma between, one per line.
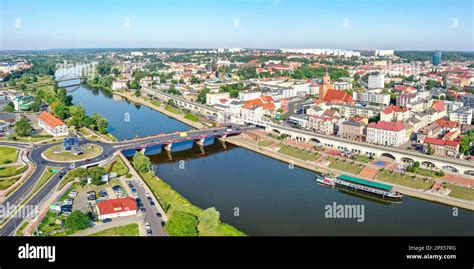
(340,24)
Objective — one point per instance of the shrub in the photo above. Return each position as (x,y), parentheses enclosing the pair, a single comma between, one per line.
(182,224)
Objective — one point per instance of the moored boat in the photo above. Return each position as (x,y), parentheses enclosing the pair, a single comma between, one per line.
(382,190)
(326,180)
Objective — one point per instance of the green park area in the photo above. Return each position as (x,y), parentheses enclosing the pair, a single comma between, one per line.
(10,171)
(90,151)
(191,117)
(362,158)
(186,219)
(265,143)
(405,180)
(5,183)
(8,155)
(345,165)
(172,110)
(461,192)
(116,165)
(298,153)
(126,230)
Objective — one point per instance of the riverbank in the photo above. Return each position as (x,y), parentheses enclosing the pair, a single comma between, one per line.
(248,144)
(180,117)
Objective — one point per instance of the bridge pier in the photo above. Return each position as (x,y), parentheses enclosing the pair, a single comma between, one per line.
(222,138)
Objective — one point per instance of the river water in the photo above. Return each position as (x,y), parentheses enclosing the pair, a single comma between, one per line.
(263,196)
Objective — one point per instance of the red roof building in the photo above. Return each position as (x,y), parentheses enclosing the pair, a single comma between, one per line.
(114,208)
(441,147)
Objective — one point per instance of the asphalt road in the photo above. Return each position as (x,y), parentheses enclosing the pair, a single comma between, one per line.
(151,211)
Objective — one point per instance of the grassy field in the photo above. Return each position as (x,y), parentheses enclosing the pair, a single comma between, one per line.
(405,180)
(265,143)
(12,170)
(362,158)
(89,152)
(346,166)
(156,103)
(172,110)
(117,166)
(5,183)
(191,117)
(171,201)
(127,230)
(461,192)
(48,227)
(8,154)
(298,153)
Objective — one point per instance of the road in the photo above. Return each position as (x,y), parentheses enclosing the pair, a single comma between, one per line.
(151,211)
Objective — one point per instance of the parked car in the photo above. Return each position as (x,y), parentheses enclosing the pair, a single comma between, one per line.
(69,201)
(142,209)
(91,195)
(163,224)
(106,220)
(135,194)
(147,225)
(149,232)
(72,194)
(158,215)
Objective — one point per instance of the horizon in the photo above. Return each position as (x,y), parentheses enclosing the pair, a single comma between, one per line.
(259,24)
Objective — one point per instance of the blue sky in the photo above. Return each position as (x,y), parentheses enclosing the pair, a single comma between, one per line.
(371,24)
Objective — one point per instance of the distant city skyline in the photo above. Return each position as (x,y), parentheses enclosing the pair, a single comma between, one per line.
(340,24)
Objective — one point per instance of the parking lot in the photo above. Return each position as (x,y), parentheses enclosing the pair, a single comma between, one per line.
(84,198)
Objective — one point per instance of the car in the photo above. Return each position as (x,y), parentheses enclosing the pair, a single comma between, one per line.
(105,155)
(134,190)
(106,220)
(149,232)
(142,209)
(72,194)
(152,203)
(44,162)
(69,201)
(147,194)
(136,195)
(149,198)
(158,215)
(130,185)
(163,224)
(147,225)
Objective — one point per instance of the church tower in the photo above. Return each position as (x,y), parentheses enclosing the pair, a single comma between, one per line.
(323,89)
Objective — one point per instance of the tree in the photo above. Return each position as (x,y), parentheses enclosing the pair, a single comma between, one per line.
(182,224)
(63,97)
(77,221)
(78,114)
(209,219)
(138,93)
(23,127)
(96,174)
(141,162)
(202,95)
(10,107)
(62,111)
(430,150)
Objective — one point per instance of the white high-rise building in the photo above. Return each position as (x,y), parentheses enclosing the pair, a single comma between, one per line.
(376,81)
(384,52)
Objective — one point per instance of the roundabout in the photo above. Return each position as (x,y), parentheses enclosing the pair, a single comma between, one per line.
(55,153)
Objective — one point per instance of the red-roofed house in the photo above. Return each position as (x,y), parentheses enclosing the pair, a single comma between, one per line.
(52,125)
(114,208)
(386,133)
(444,148)
(395,113)
(323,124)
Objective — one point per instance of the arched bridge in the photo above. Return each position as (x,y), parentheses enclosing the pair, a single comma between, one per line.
(400,155)
(177,141)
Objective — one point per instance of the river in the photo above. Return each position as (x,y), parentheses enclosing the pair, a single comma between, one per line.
(263,196)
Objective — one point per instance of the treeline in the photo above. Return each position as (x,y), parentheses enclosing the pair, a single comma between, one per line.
(428,55)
